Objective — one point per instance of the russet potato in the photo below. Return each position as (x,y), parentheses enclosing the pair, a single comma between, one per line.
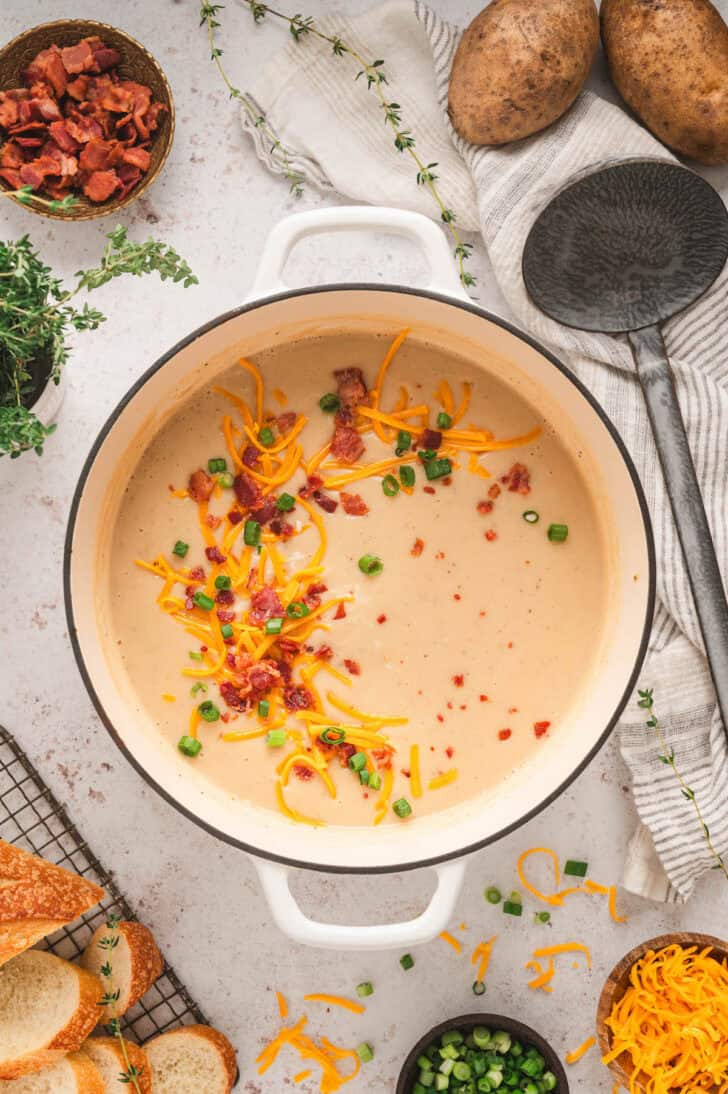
(669,62)
(519,66)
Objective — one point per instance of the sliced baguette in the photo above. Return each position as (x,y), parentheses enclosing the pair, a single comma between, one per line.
(37,898)
(48,1007)
(135,961)
(192,1060)
(76,1074)
(106,1053)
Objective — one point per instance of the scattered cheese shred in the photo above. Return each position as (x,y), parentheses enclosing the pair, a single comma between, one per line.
(302,1075)
(447,937)
(336,1001)
(282,1006)
(169,698)
(581,1051)
(445,779)
(482,953)
(415,777)
(542,982)
(565,947)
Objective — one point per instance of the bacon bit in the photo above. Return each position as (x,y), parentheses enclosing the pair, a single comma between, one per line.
(325,501)
(303,773)
(212,521)
(214,554)
(288,647)
(417,548)
(247,491)
(383,758)
(352,666)
(250,456)
(286,421)
(513,710)
(431,438)
(406,772)
(449,706)
(313,594)
(440,718)
(429,489)
(265,511)
(324,653)
(197,574)
(456,596)
(494,491)
(485,507)
(230,695)
(381,618)
(541,728)
(510,645)
(458,680)
(518,479)
(225,596)
(346,444)
(340,612)
(264,676)
(440,555)
(354,505)
(447,480)
(234,516)
(483,698)
(200,486)
(225,616)
(225,716)
(490,535)
(264,605)
(203,649)
(504,734)
(351,387)
(297,697)
(463,706)
(312,483)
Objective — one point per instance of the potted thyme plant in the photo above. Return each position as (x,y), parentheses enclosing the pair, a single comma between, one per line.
(37,314)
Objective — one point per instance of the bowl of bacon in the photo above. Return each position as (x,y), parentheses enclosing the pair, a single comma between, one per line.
(86,119)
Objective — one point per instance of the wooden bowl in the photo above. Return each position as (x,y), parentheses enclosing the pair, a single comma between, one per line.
(136,64)
(517,1030)
(618,981)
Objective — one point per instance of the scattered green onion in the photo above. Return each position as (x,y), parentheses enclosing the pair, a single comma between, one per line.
(333,736)
(226,479)
(365,1052)
(266,436)
(358,761)
(213,466)
(478,987)
(365,989)
(375,780)
(364,777)
(390,486)
(180,548)
(222,581)
(493,895)
(426,454)
(276,738)
(557,533)
(477,1060)
(531,516)
(575,868)
(437,469)
(208,711)
(371,565)
(190,746)
(297,610)
(203,601)
(195,656)
(402,808)
(329,403)
(197,688)
(407,962)
(263,708)
(226,630)
(510,907)
(404,442)
(542,917)
(407,475)
(274,626)
(444,421)
(285,503)
(251,533)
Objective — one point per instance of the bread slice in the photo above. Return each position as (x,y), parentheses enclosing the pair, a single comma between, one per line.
(76,1074)
(36,898)
(192,1060)
(106,1053)
(135,960)
(48,1007)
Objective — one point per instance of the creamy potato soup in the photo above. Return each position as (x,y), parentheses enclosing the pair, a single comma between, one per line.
(359,581)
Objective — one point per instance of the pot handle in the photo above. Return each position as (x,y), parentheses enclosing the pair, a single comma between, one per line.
(386,936)
(420,229)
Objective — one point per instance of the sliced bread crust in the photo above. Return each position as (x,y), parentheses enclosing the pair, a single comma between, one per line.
(135,960)
(48,1007)
(36,898)
(184,1058)
(76,1074)
(108,1057)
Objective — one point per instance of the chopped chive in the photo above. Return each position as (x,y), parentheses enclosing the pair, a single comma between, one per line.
(263,708)
(208,711)
(364,777)
(276,738)
(226,480)
(375,780)
(407,962)
(180,548)
(493,895)
(251,533)
(190,746)
(214,466)
(365,989)
(358,761)
(557,533)
(426,454)
(437,469)
(195,656)
(297,610)
(203,601)
(511,908)
(371,565)
(365,1052)
(531,516)
(478,987)
(575,868)
(402,808)
(222,581)
(542,917)
(274,626)
(407,475)
(332,735)
(390,486)
(329,403)
(444,421)
(197,688)
(285,503)
(266,436)
(226,630)
(404,442)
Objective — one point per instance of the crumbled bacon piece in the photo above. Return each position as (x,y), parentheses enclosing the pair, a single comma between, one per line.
(302,772)
(200,486)
(340,612)
(352,666)
(250,455)
(214,554)
(264,675)
(346,444)
(417,548)
(431,438)
(247,491)
(382,758)
(265,605)
(212,521)
(231,695)
(324,653)
(458,680)
(288,646)
(312,483)
(541,728)
(281,528)
(286,421)
(504,734)
(351,387)
(494,491)
(485,507)
(297,697)
(381,618)
(313,594)
(225,596)
(518,479)
(490,535)
(234,516)
(197,574)
(483,698)
(265,511)
(429,489)
(325,501)
(449,752)
(224,616)
(353,504)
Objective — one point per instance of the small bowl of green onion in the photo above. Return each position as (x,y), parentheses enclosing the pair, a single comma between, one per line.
(481,1054)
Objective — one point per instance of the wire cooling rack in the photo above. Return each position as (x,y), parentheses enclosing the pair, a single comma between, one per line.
(32,818)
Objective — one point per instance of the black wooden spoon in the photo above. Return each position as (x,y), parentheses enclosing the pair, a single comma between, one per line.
(622,250)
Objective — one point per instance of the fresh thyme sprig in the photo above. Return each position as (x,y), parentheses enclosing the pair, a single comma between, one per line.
(404,141)
(208,19)
(647,702)
(131,1074)
(26,195)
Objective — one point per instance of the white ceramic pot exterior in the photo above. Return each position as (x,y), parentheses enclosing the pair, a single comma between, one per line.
(440,314)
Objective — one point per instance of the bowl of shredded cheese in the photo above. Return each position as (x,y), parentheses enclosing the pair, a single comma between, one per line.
(663,1016)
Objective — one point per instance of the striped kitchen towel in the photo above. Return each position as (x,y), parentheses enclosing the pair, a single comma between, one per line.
(336,139)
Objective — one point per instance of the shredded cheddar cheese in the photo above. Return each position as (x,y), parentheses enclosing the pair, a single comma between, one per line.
(581,1051)
(482,953)
(336,1001)
(451,941)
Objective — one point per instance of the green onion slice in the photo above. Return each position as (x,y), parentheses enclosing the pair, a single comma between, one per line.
(365,989)
(407,475)
(371,565)
(263,708)
(444,421)
(180,548)
(531,516)
(285,503)
(557,533)
(407,962)
(190,746)
(493,895)
(222,581)
(404,442)
(390,486)
(334,736)
(208,711)
(276,738)
(266,436)
(365,1052)
(297,610)
(203,601)
(252,533)
(329,403)
(478,987)
(358,761)
(437,469)
(274,626)
(402,808)
(575,868)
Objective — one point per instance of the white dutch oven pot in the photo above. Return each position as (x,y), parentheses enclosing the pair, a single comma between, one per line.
(276,314)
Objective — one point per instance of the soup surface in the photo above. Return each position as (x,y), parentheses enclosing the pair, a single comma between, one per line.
(370,628)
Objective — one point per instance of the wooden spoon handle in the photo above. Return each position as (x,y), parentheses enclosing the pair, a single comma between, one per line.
(655,374)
